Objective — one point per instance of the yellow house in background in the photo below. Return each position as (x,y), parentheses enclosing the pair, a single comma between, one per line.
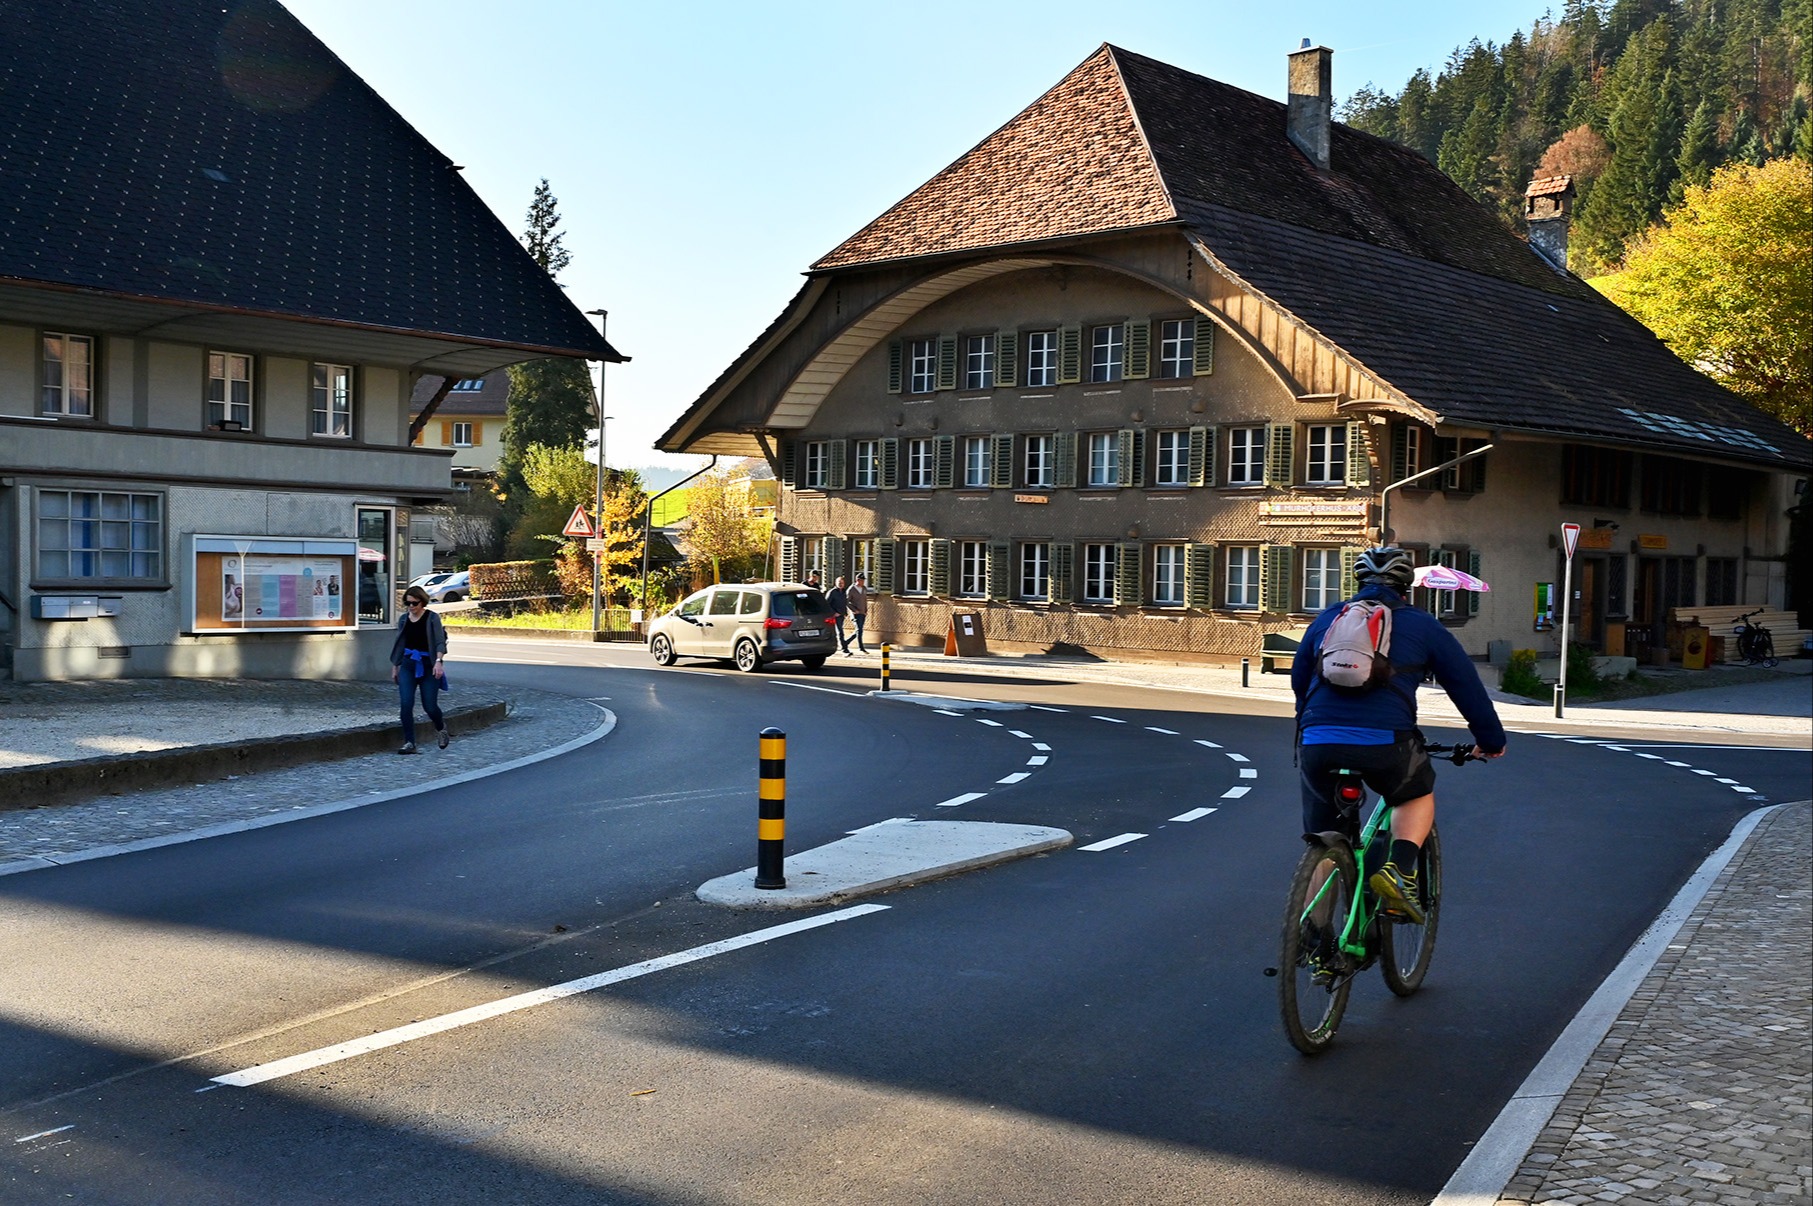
(470,421)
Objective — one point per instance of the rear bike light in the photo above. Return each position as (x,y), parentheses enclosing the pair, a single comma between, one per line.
(1350,792)
(771,622)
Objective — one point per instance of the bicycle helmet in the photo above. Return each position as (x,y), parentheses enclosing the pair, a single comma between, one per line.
(1387,566)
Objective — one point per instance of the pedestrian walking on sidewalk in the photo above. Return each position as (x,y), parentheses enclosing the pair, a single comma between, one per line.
(857,600)
(415,665)
(837,600)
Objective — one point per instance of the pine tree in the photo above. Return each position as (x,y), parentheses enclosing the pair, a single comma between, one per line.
(1643,133)
(1699,150)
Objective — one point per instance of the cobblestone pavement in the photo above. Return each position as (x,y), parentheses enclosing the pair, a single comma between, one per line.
(1703,1090)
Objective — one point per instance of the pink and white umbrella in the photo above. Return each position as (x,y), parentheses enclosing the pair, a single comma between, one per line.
(1446,577)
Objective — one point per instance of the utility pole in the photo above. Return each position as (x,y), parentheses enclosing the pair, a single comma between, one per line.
(600,584)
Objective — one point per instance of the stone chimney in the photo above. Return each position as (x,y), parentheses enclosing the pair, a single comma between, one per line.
(1312,101)
(1548,206)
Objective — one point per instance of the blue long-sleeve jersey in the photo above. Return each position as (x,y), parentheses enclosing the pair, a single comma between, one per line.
(1419,643)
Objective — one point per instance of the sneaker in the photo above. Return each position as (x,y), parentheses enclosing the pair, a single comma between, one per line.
(444,738)
(1398,894)
(408,748)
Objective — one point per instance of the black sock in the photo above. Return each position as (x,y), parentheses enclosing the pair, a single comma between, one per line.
(1405,854)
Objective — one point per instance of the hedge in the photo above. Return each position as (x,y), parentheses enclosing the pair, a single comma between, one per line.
(514,580)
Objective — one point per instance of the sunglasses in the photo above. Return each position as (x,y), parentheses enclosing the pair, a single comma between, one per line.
(415,602)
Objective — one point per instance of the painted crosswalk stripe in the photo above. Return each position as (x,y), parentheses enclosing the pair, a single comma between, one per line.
(1111,843)
(965,798)
(1234,793)
(1195,814)
(1015,777)
(1152,728)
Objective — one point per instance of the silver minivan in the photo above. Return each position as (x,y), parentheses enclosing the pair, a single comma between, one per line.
(750,623)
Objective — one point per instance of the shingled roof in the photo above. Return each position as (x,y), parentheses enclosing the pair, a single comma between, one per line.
(218,155)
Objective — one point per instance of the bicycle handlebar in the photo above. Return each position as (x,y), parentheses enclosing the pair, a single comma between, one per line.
(1459,753)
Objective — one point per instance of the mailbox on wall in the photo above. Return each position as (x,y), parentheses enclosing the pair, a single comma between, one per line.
(65,607)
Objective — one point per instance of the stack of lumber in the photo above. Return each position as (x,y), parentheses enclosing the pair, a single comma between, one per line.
(1784,627)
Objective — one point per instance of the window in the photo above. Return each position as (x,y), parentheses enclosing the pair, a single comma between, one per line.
(975,461)
(1104,458)
(1100,562)
(1411,454)
(1108,353)
(921,462)
(979,362)
(1726,490)
(1327,455)
(1441,602)
(229,389)
(1671,487)
(922,366)
(1177,348)
(1246,456)
(1721,581)
(915,567)
(1321,578)
(1595,477)
(868,464)
(863,561)
(1039,461)
(1242,592)
(724,602)
(1172,467)
(811,557)
(1035,570)
(469,385)
(462,435)
(972,569)
(1041,358)
(694,607)
(1167,575)
(331,403)
(100,534)
(68,375)
(818,465)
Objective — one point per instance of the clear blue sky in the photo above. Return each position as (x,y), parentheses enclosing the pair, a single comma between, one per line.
(704,154)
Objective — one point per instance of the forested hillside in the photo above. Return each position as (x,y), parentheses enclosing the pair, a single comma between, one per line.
(1636,99)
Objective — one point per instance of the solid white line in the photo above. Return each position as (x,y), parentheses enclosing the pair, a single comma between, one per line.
(1482,1176)
(1195,814)
(826,690)
(1040,745)
(1043,708)
(1236,757)
(56,1130)
(993,724)
(481,1013)
(1247,772)
(1015,777)
(1041,760)
(1210,744)
(1234,793)
(965,798)
(1111,843)
(1152,728)
(1109,719)
(1018,733)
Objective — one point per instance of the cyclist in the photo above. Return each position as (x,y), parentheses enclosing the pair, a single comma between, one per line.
(1374,733)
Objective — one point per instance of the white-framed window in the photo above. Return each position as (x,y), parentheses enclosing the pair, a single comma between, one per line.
(921,459)
(230,389)
(1100,562)
(1442,602)
(1035,570)
(1321,578)
(975,461)
(468,385)
(818,465)
(1040,469)
(1241,592)
(1041,358)
(1246,456)
(1416,452)
(1107,352)
(1177,348)
(68,375)
(915,567)
(972,568)
(85,534)
(1167,575)
(1171,466)
(462,435)
(922,366)
(868,464)
(331,402)
(1104,458)
(1327,464)
(812,557)
(862,561)
(979,362)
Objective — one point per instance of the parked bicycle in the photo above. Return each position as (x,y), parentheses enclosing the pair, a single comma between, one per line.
(1754,644)
(1333,923)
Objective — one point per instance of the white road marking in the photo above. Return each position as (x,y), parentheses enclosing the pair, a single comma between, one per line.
(1195,814)
(1742,788)
(1680,764)
(993,724)
(1767,749)
(1040,745)
(1584,741)
(1015,777)
(1152,728)
(826,690)
(965,798)
(1041,760)
(1727,782)
(528,1000)
(45,1134)
(1653,757)
(1109,719)
(946,712)
(1247,772)
(1619,748)
(881,825)
(1018,733)
(1698,771)
(1236,757)
(1043,708)
(1111,843)
(1234,793)
(1210,744)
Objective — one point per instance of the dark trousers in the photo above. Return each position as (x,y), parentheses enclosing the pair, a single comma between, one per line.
(407,685)
(858,617)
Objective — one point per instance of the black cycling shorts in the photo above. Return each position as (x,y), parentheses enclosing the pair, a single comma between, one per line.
(1400,771)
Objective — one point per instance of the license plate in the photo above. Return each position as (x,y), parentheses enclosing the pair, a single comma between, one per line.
(808,632)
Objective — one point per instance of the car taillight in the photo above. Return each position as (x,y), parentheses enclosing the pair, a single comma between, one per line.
(771,622)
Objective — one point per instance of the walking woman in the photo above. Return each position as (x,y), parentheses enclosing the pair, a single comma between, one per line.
(415,662)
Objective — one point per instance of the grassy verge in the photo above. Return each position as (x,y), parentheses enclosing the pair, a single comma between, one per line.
(565,621)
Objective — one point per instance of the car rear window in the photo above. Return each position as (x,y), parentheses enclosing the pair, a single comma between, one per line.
(791,603)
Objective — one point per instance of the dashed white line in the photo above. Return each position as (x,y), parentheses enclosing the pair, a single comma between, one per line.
(1726,782)
(1236,757)
(1018,733)
(1111,843)
(1152,728)
(1195,814)
(1698,771)
(993,724)
(965,798)
(1680,764)
(1234,793)
(1742,788)
(1040,745)
(1109,719)
(1041,759)
(1652,757)
(1015,777)
(1247,772)
(1210,744)
(946,712)
(1043,708)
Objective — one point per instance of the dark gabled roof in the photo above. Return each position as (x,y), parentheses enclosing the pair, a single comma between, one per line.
(218,154)
(492,397)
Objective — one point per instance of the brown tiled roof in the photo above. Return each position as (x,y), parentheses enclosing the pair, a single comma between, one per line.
(1544,186)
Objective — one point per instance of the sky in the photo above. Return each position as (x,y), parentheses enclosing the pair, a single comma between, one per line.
(705,154)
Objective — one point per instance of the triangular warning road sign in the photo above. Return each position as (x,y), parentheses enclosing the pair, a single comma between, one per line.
(579,524)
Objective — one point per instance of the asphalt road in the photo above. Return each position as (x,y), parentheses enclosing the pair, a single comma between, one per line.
(1085,1026)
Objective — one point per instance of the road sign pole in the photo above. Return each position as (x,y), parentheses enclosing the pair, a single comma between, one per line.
(1570,537)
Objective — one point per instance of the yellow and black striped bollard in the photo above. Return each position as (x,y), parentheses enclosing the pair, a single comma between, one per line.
(771,815)
(884,666)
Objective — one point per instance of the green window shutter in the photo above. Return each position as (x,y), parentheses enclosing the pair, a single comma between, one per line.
(890,464)
(1063,569)
(944,463)
(1205,348)
(1275,577)
(1473,568)
(941,567)
(1349,559)
(789,559)
(1279,454)
(1139,349)
(1070,355)
(1007,357)
(1001,463)
(1199,575)
(1202,457)
(1000,570)
(788,455)
(1400,451)
(1476,477)
(1359,454)
(834,559)
(947,362)
(835,472)
(884,567)
(1127,566)
(896,365)
(1063,459)
(1127,457)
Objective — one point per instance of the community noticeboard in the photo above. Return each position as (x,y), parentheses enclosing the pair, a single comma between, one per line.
(271,584)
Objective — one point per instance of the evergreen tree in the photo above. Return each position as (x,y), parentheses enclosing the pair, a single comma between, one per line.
(1644,134)
(1699,150)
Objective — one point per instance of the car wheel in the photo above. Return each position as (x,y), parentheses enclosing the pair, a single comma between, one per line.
(748,657)
(813,663)
(452,596)
(662,650)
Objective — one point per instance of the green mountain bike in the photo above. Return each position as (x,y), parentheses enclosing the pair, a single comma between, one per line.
(1333,927)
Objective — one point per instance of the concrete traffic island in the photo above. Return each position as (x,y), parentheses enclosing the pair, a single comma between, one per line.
(892,854)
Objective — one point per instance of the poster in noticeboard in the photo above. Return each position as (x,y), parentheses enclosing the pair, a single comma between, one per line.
(272,589)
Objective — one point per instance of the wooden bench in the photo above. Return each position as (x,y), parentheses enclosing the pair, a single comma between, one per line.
(1280,645)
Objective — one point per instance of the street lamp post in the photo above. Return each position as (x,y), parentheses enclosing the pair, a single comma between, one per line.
(600,585)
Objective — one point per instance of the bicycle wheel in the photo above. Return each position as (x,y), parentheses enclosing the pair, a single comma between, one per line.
(1405,949)
(1765,648)
(1313,980)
